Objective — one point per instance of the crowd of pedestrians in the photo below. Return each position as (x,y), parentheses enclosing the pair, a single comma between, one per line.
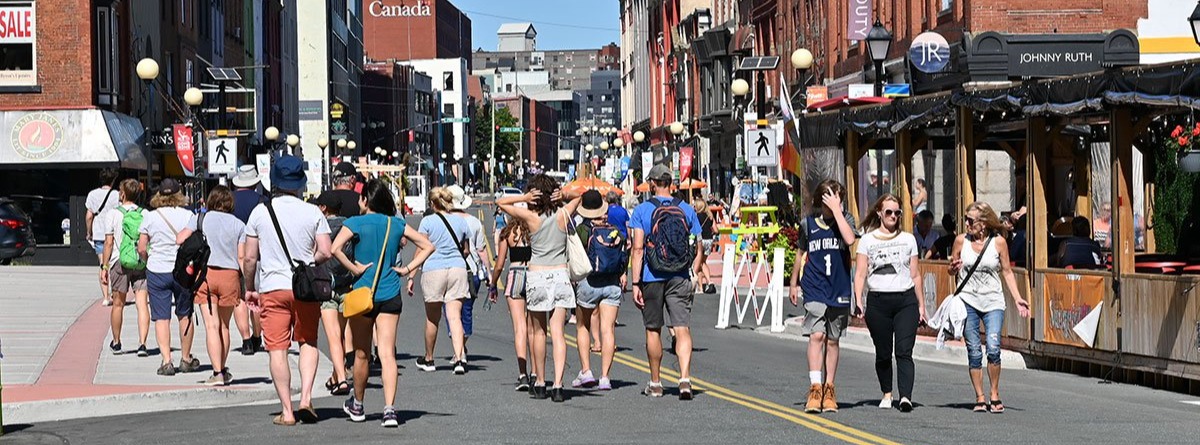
(281,267)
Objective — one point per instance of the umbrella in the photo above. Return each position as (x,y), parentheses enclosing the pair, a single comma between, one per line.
(692,184)
(578,186)
(645,187)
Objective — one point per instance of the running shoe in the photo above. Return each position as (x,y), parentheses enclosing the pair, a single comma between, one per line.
(584,380)
(390,420)
(539,391)
(167,369)
(653,389)
(605,384)
(217,379)
(685,389)
(426,365)
(556,395)
(522,383)
(186,365)
(355,410)
(532,380)
(115,348)
(459,368)
(885,403)
(905,405)
(143,352)
(228,376)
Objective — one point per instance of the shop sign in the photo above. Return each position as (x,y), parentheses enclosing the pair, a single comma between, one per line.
(929,52)
(859,19)
(312,110)
(816,94)
(336,110)
(996,56)
(377,8)
(18,41)
(857,90)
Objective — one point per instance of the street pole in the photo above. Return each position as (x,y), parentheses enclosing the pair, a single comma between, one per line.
(879,151)
(492,159)
(149,143)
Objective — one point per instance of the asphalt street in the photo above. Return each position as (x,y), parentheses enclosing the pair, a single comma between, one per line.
(751,390)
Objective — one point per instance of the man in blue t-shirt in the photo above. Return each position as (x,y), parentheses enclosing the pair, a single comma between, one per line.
(617,215)
(656,290)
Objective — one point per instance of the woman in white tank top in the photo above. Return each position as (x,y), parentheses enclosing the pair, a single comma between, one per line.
(984,295)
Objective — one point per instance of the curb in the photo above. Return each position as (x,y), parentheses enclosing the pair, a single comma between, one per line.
(859,339)
(137,403)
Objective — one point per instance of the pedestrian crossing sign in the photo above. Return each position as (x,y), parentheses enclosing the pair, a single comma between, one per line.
(222,156)
(761,149)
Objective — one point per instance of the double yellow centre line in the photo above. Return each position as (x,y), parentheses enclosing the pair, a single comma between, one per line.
(815,423)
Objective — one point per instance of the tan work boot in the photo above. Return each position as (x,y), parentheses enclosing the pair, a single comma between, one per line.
(815,394)
(829,402)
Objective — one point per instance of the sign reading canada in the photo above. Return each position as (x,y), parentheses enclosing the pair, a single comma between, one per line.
(18,35)
(379,8)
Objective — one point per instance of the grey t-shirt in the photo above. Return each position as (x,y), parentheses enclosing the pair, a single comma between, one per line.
(224,233)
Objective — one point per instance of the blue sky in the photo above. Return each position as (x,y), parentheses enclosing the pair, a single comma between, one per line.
(561,24)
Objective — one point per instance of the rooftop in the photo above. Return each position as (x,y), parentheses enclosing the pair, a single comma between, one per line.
(516,28)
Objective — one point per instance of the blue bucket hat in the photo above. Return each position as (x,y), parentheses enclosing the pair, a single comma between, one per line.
(288,173)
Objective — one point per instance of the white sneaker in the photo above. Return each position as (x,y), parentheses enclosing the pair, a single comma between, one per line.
(886,403)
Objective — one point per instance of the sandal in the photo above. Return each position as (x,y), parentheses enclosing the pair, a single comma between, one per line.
(331,383)
(997,407)
(307,414)
(278,420)
(980,407)
(341,389)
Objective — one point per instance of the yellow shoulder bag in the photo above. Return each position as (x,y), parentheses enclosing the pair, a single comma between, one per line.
(361,300)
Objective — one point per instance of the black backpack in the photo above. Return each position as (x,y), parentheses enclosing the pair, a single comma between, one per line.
(191,262)
(342,278)
(669,244)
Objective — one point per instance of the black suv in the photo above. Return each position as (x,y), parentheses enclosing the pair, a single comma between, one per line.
(16,233)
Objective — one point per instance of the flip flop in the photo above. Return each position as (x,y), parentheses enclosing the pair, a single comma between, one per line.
(997,407)
(980,407)
(307,414)
(278,420)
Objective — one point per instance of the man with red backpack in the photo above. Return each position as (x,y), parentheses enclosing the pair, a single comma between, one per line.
(666,250)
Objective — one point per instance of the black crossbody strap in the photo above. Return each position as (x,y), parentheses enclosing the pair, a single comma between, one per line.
(456,241)
(971,271)
(278,230)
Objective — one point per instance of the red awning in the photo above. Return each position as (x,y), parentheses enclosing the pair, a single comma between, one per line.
(846,101)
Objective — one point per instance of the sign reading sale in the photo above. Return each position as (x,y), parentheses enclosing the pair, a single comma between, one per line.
(17,24)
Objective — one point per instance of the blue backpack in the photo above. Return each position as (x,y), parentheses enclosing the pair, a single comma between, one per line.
(669,243)
(606,250)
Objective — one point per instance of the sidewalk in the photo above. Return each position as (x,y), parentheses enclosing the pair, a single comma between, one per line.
(54,335)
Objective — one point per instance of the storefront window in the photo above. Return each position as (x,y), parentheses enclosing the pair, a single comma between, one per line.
(934,183)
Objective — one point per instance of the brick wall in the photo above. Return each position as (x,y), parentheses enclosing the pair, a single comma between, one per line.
(445,33)
(1062,16)
(64,58)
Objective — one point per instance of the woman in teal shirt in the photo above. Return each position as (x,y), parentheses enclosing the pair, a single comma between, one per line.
(372,229)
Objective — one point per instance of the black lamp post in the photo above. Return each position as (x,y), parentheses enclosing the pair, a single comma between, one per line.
(1194,20)
(147,71)
(879,42)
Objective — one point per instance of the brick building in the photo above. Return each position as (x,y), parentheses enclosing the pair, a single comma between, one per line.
(414,30)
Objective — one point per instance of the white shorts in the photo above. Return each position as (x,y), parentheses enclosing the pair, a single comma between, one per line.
(548,289)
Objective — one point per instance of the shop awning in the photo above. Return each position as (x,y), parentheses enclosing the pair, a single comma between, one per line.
(70,139)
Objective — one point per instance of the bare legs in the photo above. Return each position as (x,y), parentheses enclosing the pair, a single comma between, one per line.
(116,315)
(608,339)
(583,334)
(537,345)
(994,380)
(216,320)
(558,321)
(334,325)
(281,375)
(819,345)
(433,316)
(162,332)
(384,325)
(516,308)
(143,315)
(248,323)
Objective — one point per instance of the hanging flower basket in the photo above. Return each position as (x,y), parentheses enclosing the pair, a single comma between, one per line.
(1187,146)
(1189,161)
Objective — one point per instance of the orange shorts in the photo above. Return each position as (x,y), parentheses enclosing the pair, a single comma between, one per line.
(222,286)
(284,319)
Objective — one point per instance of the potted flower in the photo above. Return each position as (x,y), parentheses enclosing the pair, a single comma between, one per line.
(1182,143)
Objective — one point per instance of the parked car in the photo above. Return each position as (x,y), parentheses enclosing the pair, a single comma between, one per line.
(509,191)
(16,233)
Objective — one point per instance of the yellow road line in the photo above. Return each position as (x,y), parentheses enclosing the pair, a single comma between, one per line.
(818,424)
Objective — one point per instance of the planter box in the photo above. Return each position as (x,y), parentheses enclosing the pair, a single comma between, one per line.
(1190,161)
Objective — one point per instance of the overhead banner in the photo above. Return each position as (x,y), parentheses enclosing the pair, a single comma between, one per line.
(624,169)
(685,161)
(1070,299)
(184,150)
(18,44)
(859,16)
(647,164)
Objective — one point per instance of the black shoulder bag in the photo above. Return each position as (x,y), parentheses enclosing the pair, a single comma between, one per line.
(311,282)
(458,243)
(971,271)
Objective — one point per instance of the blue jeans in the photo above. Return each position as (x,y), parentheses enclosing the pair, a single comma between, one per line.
(992,323)
(468,308)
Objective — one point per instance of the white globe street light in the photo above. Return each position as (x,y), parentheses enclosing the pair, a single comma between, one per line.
(604,145)
(802,59)
(740,87)
(341,143)
(638,136)
(293,140)
(323,142)
(677,128)
(619,143)
(193,96)
(589,147)
(351,145)
(271,133)
(147,69)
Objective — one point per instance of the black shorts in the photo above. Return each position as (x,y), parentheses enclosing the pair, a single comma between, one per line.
(674,295)
(393,306)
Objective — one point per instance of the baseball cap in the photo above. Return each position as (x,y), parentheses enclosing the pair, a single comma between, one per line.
(345,169)
(660,172)
(331,202)
(591,205)
(288,173)
(168,186)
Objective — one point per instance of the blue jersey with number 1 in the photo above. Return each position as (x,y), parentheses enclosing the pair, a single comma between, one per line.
(826,276)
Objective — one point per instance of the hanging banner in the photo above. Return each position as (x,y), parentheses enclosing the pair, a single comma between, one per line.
(184,150)
(262,162)
(624,169)
(685,162)
(859,16)
(1069,300)
(647,164)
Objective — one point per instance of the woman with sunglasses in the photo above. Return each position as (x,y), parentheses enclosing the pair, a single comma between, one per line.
(984,250)
(887,265)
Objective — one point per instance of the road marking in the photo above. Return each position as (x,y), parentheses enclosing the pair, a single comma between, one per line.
(1191,402)
(815,423)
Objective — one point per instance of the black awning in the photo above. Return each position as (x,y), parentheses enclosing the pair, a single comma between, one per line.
(819,130)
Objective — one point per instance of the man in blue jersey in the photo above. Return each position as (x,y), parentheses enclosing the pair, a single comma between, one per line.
(822,273)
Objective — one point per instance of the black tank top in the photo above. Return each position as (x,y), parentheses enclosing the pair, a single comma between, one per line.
(520,254)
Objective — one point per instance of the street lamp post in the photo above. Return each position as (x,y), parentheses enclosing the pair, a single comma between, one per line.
(193,97)
(323,143)
(147,70)
(879,42)
(292,142)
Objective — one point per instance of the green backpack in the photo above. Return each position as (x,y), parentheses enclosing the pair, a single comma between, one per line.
(131,223)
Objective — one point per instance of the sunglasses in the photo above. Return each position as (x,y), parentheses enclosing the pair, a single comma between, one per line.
(970,221)
(890,212)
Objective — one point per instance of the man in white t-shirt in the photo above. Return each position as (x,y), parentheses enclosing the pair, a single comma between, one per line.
(98,200)
(478,259)
(120,280)
(268,274)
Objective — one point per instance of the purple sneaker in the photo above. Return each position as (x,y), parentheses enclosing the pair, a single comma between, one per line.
(605,384)
(585,380)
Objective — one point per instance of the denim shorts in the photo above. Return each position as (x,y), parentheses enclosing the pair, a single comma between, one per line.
(589,297)
(99,245)
(164,292)
(549,289)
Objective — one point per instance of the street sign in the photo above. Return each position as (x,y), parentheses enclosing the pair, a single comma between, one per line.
(511,129)
(222,156)
(761,149)
(897,90)
(451,120)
